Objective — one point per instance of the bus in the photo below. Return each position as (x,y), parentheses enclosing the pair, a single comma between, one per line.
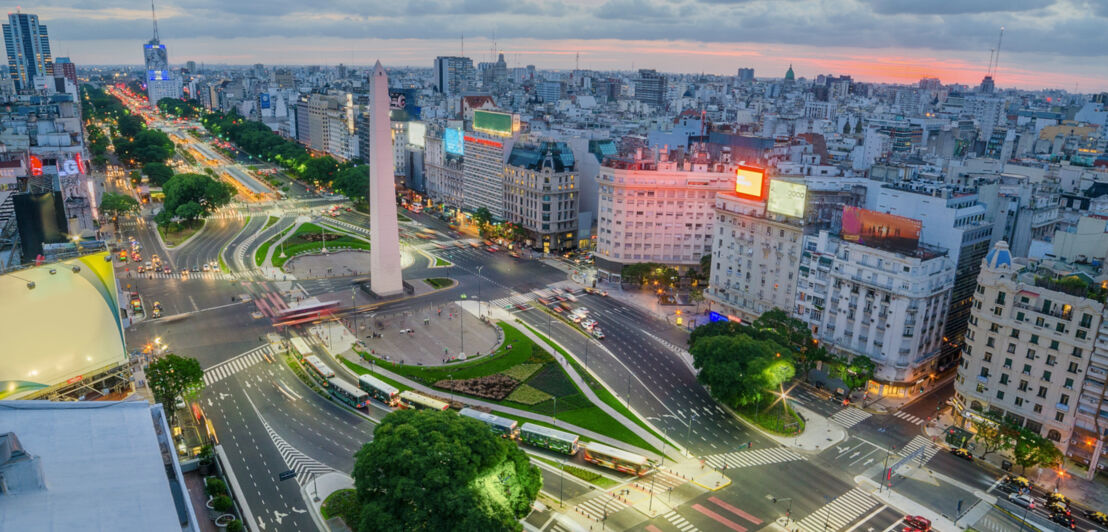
(319,367)
(555,440)
(348,393)
(379,390)
(301,346)
(304,313)
(506,428)
(618,459)
(417,401)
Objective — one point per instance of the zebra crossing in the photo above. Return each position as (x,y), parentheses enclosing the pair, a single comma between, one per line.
(915,420)
(663,481)
(346,225)
(219,276)
(670,345)
(305,466)
(680,522)
(839,513)
(849,416)
(223,370)
(756,457)
(600,505)
(929,448)
(514,299)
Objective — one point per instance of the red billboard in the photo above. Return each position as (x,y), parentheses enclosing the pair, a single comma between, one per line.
(750,183)
(881,230)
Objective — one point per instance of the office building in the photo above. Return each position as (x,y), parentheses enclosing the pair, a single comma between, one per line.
(28,47)
(745,75)
(1030,340)
(542,193)
(160,81)
(453,75)
(483,171)
(443,169)
(65,68)
(658,209)
(650,87)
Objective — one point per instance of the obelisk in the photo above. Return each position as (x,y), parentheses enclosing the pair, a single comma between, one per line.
(384,232)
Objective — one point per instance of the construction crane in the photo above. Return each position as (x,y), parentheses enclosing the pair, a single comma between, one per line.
(994,57)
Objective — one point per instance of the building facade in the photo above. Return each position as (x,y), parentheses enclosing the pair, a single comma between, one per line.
(1031,335)
(28,46)
(483,171)
(658,210)
(453,75)
(542,194)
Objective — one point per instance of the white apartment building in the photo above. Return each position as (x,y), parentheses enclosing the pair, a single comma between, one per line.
(1031,335)
(754,258)
(887,305)
(483,171)
(658,210)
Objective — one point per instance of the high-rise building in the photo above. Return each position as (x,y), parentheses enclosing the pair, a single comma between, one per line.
(483,171)
(453,75)
(65,68)
(28,46)
(160,82)
(191,66)
(541,192)
(746,75)
(650,87)
(1033,331)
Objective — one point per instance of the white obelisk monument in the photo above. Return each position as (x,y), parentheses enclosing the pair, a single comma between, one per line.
(384,233)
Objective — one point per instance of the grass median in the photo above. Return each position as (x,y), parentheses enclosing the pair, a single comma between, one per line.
(260,253)
(173,233)
(305,240)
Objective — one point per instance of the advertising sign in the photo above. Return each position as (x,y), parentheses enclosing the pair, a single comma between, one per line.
(493,122)
(416,133)
(452,141)
(787,198)
(157,75)
(750,183)
(397,100)
(36,165)
(264,100)
(881,230)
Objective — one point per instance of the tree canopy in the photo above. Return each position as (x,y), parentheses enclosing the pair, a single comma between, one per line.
(353,182)
(117,204)
(740,370)
(173,376)
(192,196)
(158,173)
(148,146)
(430,470)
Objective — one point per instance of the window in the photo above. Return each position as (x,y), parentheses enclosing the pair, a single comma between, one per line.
(985,372)
(1061,327)
(1007,363)
(1000,298)
(1051,360)
(1038,408)
(1015,333)
(1054,344)
(1035,339)
(1030,354)
(1077,352)
(1064,400)
(1082,334)
(1086,320)
(1004,378)
(1068,385)
(1019,316)
(1023,386)
(1042,392)
(1046,376)
(990,342)
(994,327)
(1000,394)
(1019,401)
(1011,348)
(1027,369)
(1072,368)
(988,356)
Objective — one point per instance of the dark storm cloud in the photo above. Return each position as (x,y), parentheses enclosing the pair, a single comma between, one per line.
(954,7)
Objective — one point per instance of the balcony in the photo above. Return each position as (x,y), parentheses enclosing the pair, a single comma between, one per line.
(1065,315)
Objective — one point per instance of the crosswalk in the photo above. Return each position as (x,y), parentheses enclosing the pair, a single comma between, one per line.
(662,481)
(680,522)
(512,300)
(599,506)
(225,369)
(305,466)
(850,416)
(839,513)
(929,448)
(915,420)
(756,457)
(670,345)
(219,276)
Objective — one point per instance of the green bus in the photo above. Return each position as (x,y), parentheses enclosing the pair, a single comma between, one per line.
(553,439)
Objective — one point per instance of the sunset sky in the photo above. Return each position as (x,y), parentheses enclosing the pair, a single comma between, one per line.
(1047,43)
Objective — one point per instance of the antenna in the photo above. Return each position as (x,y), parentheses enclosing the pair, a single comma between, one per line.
(577,62)
(154,14)
(463,52)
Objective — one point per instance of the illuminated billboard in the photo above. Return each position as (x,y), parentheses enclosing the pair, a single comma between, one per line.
(492,122)
(416,132)
(881,230)
(452,141)
(750,183)
(786,198)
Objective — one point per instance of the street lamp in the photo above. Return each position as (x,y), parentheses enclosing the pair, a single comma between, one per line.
(479,268)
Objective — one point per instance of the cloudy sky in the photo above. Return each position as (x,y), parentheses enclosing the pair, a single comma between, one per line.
(1047,43)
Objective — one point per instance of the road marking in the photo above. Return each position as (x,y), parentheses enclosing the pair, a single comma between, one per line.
(680,522)
(719,518)
(867,518)
(735,510)
(850,416)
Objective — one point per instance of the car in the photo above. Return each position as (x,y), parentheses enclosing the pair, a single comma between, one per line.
(1064,519)
(577,318)
(207,267)
(598,334)
(490,249)
(1056,497)
(1056,507)
(962,453)
(184,272)
(196,269)
(157,310)
(167,269)
(1022,500)
(1018,482)
(916,523)
(141,269)
(1097,517)
(604,293)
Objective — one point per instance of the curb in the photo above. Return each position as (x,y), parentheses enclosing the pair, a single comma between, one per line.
(247,516)
(223,250)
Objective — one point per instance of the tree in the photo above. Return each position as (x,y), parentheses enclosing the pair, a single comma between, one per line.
(129,125)
(353,182)
(738,370)
(430,470)
(992,435)
(118,204)
(200,190)
(857,373)
(171,377)
(158,173)
(482,217)
(705,270)
(1032,450)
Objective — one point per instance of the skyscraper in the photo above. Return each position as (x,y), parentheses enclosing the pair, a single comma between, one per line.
(650,87)
(453,75)
(64,68)
(28,47)
(160,83)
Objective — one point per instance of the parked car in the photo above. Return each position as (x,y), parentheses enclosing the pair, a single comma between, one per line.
(916,523)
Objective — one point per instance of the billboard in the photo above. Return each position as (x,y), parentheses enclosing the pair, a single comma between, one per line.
(750,183)
(41,219)
(157,75)
(492,122)
(881,230)
(787,198)
(452,141)
(416,133)
(263,100)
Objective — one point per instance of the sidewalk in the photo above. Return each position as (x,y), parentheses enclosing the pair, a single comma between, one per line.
(317,491)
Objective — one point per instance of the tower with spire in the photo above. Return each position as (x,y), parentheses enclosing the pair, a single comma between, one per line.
(160,82)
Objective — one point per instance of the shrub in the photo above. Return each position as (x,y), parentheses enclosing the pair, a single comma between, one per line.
(528,395)
(583,474)
(214,487)
(235,526)
(222,503)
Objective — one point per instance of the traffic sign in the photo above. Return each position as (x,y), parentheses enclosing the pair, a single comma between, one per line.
(285,475)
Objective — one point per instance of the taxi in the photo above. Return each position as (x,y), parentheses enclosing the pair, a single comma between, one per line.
(962,453)
(1098,517)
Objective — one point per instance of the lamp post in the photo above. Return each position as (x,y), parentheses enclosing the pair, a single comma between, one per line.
(788,511)
(561,484)
(479,268)
(450,376)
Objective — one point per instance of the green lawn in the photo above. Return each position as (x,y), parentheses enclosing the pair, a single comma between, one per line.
(175,233)
(776,418)
(521,353)
(587,475)
(272,220)
(342,503)
(439,261)
(259,254)
(361,370)
(601,392)
(298,243)
(439,282)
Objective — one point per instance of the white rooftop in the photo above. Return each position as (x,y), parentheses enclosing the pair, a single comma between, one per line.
(101,464)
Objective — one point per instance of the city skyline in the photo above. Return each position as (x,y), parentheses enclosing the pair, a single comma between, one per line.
(1046,45)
